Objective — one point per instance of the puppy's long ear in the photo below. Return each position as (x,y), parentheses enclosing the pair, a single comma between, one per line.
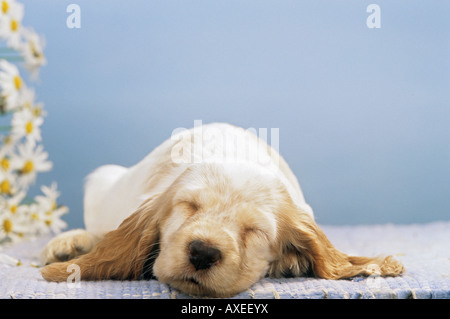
(121,254)
(305,250)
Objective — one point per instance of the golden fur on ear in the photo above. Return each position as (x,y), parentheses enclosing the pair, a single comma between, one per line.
(305,250)
(121,254)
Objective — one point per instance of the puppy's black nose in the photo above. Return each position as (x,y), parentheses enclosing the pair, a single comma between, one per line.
(203,256)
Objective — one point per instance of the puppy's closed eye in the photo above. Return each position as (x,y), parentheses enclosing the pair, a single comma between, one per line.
(250,232)
(189,207)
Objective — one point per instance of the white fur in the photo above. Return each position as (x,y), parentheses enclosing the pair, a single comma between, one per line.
(113,192)
(217,187)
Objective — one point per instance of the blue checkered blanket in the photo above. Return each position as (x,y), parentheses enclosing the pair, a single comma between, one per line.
(424,249)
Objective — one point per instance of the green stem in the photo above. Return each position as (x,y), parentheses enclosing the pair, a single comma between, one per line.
(3,113)
(7,49)
(28,200)
(12,58)
(6,128)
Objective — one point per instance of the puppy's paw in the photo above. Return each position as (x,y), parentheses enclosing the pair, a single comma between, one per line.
(68,245)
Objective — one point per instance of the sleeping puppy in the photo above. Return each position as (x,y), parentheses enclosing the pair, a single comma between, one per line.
(210,212)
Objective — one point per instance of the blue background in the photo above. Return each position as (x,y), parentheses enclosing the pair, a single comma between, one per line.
(363,114)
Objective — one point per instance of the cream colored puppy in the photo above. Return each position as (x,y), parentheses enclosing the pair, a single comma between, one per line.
(210,211)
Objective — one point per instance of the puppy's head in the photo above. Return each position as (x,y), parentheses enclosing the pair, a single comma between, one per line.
(217,236)
(217,230)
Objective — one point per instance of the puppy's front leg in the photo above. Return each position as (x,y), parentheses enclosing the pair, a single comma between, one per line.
(68,245)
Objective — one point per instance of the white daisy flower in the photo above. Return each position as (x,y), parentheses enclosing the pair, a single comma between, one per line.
(11,23)
(5,6)
(53,219)
(5,162)
(8,143)
(27,100)
(11,84)
(32,49)
(44,220)
(50,197)
(29,161)
(6,158)
(12,205)
(12,227)
(8,183)
(52,212)
(36,221)
(26,124)
(21,155)
(8,260)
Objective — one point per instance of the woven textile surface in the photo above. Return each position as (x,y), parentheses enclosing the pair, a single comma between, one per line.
(423,249)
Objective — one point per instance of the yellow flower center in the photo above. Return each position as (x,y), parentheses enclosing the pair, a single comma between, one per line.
(29,127)
(34,50)
(7,140)
(37,111)
(7,226)
(14,25)
(4,163)
(5,7)
(13,209)
(17,82)
(48,222)
(34,216)
(28,167)
(5,187)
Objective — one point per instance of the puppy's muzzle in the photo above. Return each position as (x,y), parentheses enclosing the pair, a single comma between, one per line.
(202,255)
